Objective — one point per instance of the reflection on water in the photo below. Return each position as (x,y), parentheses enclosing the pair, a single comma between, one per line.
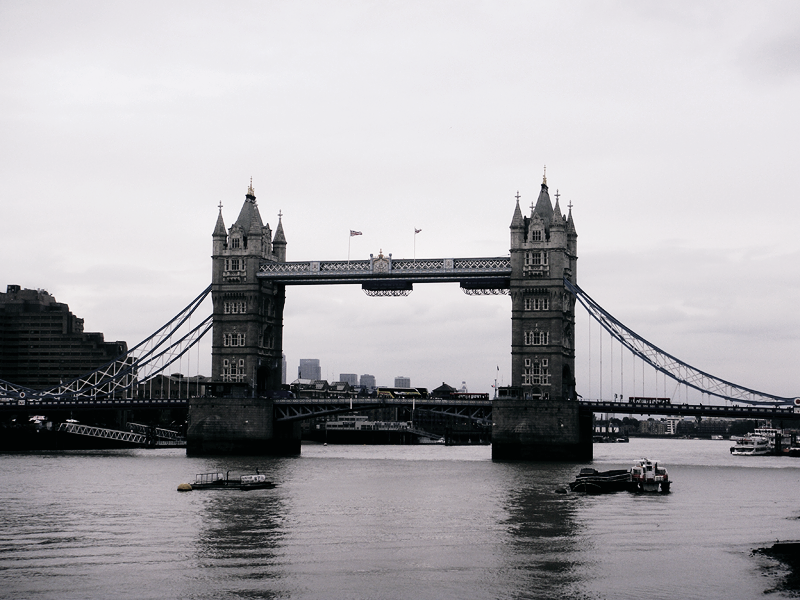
(390,522)
(541,557)
(238,538)
(238,541)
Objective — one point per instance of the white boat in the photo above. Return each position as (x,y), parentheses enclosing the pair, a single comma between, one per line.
(647,476)
(751,445)
(778,440)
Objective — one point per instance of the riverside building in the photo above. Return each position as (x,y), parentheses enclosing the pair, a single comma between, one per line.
(42,344)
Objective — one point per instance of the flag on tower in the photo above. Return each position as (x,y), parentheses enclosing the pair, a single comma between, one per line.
(417,230)
(352,233)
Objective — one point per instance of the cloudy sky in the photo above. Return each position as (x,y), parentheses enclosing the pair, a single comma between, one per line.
(672,129)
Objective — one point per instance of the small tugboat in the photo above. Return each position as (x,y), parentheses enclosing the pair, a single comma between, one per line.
(223,481)
(599,482)
(647,476)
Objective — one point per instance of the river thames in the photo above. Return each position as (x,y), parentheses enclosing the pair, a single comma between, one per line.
(390,522)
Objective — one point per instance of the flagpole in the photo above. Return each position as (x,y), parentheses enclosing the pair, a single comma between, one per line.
(352,233)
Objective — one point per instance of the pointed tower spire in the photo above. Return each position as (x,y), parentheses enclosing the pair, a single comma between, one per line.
(279,236)
(279,241)
(558,218)
(570,222)
(517,220)
(249,219)
(544,208)
(219,229)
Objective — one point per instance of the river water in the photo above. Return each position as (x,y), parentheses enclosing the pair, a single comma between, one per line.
(390,522)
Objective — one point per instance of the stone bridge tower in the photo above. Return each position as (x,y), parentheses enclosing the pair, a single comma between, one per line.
(248,313)
(544,251)
(539,417)
(247,343)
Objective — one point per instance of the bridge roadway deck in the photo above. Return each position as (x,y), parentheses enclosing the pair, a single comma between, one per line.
(33,403)
(297,409)
(693,410)
(294,409)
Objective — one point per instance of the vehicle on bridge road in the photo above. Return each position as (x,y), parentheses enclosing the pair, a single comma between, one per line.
(649,401)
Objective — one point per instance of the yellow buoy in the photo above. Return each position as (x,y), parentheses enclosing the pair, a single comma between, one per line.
(184,487)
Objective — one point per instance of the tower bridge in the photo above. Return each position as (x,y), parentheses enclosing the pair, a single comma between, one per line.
(249,277)
(539,416)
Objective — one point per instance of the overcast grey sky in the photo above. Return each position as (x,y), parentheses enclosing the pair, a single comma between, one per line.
(673,130)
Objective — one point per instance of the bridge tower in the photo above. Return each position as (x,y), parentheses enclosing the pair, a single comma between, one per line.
(247,341)
(248,312)
(538,416)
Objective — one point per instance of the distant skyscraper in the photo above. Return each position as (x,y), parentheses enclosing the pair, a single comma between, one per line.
(349,378)
(367,381)
(283,368)
(310,369)
(402,381)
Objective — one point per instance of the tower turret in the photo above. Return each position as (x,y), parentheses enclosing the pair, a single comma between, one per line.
(220,235)
(517,226)
(572,246)
(558,227)
(279,241)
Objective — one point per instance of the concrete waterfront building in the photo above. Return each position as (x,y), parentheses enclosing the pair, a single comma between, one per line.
(350,379)
(43,344)
(402,382)
(539,417)
(309,369)
(367,381)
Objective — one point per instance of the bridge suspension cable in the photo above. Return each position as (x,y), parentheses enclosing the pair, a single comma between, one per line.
(121,376)
(668,364)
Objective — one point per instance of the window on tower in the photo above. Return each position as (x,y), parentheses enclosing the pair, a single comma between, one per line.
(540,372)
(537,303)
(233,308)
(536,338)
(536,235)
(535,263)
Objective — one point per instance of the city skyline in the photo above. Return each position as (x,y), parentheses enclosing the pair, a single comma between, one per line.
(670,129)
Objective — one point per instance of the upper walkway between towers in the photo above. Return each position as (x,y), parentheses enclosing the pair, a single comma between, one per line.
(487,272)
